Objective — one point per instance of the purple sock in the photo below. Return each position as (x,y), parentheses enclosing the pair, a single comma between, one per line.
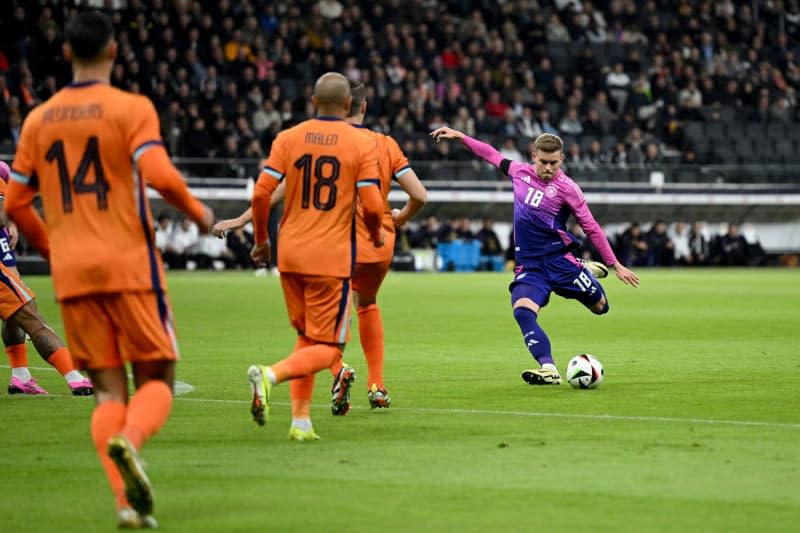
(535,338)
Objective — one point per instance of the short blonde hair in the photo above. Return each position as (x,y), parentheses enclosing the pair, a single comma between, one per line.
(547,142)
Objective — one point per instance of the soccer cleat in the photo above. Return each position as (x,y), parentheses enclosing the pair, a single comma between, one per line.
(137,487)
(302,436)
(541,376)
(340,391)
(17,386)
(598,269)
(82,387)
(261,387)
(378,398)
(127,518)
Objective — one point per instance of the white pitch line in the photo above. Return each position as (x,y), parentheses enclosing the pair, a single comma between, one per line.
(586,416)
(180,387)
(489,412)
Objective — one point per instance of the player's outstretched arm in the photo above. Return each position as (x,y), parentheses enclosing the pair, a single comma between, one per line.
(625,275)
(447,133)
(157,169)
(417,197)
(223,226)
(480,149)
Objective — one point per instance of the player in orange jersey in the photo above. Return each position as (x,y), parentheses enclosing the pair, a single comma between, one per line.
(372,264)
(327,165)
(89,151)
(20,317)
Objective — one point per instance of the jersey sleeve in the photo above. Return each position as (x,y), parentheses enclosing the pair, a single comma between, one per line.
(397,159)
(577,203)
(144,130)
(271,176)
(368,171)
(275,165)
(23,169)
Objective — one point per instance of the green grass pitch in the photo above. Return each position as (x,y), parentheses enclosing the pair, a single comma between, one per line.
(696,427)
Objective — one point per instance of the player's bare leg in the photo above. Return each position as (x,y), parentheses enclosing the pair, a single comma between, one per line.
(48,344)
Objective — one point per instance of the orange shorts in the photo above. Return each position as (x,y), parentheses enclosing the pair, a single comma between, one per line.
(368,277)
(13,293)
(106,330)
(318,306)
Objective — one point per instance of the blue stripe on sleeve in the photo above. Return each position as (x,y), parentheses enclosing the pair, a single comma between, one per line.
(144,147)
(402,171)
(20,178)
(274,173)
(367,182)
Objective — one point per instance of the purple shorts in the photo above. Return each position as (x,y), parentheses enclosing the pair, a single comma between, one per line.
(561,274)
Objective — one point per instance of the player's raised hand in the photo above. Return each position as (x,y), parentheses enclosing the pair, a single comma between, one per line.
(626,276)
(261,254)
(446,133)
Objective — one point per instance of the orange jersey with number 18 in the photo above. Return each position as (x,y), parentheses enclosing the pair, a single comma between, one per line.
(79,149)
(323,161)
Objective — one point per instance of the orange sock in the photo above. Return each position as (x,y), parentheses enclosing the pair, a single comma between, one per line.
(148,410)
(17,355)
(61,359)
(370,329)
(306,361)
(300,391)
(108,419)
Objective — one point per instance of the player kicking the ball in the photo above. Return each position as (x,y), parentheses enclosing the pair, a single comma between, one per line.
(544,198)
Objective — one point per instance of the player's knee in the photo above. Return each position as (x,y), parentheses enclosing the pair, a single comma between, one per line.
(601,307)
(522,314)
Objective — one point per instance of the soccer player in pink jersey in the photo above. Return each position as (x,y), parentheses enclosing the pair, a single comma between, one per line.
(544,198)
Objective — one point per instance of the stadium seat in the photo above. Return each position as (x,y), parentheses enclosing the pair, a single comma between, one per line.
(446,256)
(492,263)
(468,255)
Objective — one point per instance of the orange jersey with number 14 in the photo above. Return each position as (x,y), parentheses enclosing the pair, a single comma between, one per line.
(79,150)
(323,161)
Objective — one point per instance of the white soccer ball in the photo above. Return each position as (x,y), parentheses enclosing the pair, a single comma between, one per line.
(584,371)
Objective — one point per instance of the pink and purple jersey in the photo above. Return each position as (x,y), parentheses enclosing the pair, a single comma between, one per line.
(542,208)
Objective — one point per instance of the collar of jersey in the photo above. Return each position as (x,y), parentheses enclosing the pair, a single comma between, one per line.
(331,119)
(81,84)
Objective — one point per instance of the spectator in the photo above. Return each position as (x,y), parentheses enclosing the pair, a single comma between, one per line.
(618,84)
(632,245)
(508,150)
(571,124)
(491,249)
(661,249)
(181,244)
(680,240)
(427,235)
(732,248)
(699,245)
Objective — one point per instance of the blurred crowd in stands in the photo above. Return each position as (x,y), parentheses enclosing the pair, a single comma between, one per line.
(618,79)
(658,245)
